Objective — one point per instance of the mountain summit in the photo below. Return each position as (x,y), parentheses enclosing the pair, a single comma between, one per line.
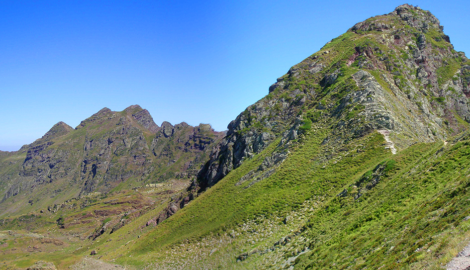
(397,73)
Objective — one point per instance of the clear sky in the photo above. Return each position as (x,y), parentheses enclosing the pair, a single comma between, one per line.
(192,61)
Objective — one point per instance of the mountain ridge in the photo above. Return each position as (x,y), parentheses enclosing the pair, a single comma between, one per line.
(405,87)
(298,86)
(101,142)
(357,157)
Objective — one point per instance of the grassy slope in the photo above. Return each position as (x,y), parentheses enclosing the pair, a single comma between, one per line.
(301,177)
(71,243)
(415,216)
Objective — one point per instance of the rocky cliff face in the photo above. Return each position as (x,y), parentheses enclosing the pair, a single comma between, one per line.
(109,150)
(397,73)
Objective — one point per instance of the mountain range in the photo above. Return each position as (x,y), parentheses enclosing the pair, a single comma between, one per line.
(357,158)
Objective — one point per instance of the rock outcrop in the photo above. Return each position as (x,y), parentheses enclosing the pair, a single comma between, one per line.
(143,117)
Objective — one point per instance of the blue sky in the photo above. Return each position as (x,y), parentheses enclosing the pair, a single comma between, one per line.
(192,61)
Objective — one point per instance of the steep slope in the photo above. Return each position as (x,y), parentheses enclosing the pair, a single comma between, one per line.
(109,151)
(330,127)
(397,72)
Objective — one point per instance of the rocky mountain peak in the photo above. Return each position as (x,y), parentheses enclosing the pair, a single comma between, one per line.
(416,17)
(57,130)
(143,117)
(181,125)
(133,107)
(413,16)
(103,111)
(167,129)
(396,73)
(99,116)
(204,127)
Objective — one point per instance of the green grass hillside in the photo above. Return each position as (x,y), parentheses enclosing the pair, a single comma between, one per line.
(412,211)
(359,157)
(301,177)
(415,216)
(340,196)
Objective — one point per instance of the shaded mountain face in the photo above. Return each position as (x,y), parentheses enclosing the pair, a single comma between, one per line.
(109,150)
(397,73)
